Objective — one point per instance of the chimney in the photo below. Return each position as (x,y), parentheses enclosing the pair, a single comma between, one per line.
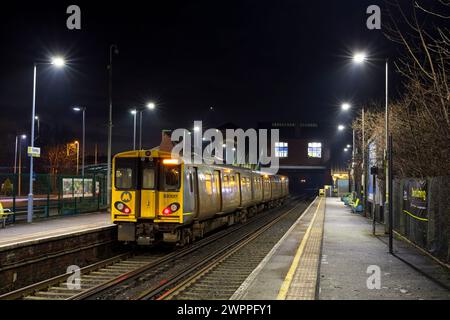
(166,143)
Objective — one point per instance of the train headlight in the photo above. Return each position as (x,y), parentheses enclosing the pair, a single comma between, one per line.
(171,208)
(122,207)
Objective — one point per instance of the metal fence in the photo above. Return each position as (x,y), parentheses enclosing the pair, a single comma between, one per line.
(54,195)
(422,213)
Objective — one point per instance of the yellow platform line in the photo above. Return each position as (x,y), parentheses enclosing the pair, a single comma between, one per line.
(290,275)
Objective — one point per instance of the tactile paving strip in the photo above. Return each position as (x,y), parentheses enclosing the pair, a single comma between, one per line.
(304,282)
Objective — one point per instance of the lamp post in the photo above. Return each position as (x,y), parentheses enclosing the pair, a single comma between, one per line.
(83,110)
(57,62)
(134,112)
(110,124)
(78,155)
(150,106)
(19,178)
(38,126)
(18,145)
(360,58)
(346,107)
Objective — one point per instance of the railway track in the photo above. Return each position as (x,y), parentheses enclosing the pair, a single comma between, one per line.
(205,280)
(120,273)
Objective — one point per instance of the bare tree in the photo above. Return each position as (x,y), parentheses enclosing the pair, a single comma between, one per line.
(59,161)
(419,120)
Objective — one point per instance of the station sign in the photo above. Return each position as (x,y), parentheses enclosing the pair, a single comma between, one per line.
(34,152)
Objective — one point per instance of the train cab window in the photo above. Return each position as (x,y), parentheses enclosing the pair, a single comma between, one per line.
(125,174)
(170,178)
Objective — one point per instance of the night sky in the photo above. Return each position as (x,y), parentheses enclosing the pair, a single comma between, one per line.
(249,60)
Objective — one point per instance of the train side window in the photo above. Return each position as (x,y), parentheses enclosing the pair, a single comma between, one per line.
(225,181)
(208,183)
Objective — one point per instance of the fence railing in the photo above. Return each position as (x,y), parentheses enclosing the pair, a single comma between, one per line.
(53,195)
(422,213)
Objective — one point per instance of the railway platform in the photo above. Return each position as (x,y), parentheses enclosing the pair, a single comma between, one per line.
(331,254)
(52,245)
(18,234)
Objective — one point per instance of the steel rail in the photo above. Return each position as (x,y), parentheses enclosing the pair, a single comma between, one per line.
(89,292)
(184,278)
(172,256)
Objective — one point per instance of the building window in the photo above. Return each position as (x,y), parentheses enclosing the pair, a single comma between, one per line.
(315,150)
(281,149)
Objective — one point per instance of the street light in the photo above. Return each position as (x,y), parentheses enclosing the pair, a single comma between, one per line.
(82,109)
(78,153)
(134,112)
(359,57)
(19,145)
(110,124)
(345,149)
(341,127)
(150,106)
(57,62)
(349,146)
(346,106)
(38,126)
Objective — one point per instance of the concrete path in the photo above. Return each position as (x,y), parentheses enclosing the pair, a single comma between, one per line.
(22,232)
(350,249)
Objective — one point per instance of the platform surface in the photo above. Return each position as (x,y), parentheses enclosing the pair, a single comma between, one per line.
(333,258)
(19,233)
(350,251)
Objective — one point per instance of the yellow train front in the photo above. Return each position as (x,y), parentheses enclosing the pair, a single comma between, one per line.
(158,198)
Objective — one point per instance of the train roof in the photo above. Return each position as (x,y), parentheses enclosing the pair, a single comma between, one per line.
(155,153)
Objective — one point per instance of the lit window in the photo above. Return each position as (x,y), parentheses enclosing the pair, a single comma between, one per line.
(281,149)
(315,150)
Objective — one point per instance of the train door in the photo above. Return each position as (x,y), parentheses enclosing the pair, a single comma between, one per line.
(148,189)
(217,190)
(239,186)
(189,203)
(196,195)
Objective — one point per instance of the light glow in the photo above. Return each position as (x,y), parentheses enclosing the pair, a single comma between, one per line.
(171,161)
(151,105)
(346,106)
(359,57)
(58,62)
